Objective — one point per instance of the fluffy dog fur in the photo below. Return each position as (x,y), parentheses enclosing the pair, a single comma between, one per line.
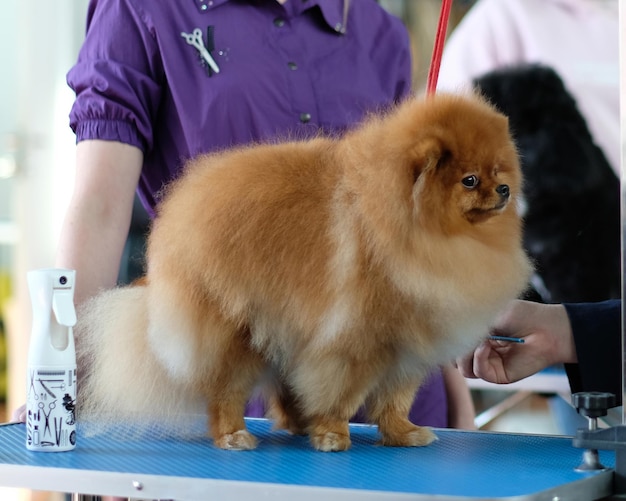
(337,271)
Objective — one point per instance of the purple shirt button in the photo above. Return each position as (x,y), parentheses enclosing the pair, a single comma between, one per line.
(305,117)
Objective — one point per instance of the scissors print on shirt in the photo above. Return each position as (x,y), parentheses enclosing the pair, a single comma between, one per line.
(195,40)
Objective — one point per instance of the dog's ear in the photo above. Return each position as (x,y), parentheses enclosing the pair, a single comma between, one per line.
(429,153)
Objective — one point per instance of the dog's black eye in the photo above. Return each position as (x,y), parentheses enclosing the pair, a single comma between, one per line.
(470,181)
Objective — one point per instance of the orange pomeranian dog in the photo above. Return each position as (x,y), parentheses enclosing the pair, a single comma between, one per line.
(337,272)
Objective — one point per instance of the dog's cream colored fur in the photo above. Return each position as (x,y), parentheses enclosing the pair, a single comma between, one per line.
(339,271)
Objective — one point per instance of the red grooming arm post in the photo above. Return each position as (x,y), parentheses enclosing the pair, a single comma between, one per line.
(435,62)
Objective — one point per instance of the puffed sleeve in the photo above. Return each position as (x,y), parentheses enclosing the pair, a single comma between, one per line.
(117,78)
(597,334)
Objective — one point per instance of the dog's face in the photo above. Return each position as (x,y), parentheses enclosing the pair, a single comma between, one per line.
(466,168)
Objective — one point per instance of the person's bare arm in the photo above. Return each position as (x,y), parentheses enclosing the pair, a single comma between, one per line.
(461,411)
(98,217)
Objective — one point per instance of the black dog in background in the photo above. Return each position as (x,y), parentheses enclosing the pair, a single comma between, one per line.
(572,196)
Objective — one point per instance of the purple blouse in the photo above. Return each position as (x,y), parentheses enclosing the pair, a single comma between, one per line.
(284,72)
(181,77)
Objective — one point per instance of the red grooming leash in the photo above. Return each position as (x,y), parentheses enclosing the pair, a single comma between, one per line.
(435,62)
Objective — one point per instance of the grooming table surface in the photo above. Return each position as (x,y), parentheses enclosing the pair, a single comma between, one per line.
(460,465)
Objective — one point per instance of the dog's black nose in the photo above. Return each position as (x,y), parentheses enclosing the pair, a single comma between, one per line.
(503,190)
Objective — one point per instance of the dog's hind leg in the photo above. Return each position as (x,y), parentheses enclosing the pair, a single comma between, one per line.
(285,409)
(229,382)
(388,406)
(198,345)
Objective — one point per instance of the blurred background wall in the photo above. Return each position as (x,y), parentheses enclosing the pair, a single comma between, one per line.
(38,43)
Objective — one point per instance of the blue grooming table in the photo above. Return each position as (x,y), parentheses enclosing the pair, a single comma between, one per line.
(461,465)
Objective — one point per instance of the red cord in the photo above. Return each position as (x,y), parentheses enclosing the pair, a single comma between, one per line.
(435,62)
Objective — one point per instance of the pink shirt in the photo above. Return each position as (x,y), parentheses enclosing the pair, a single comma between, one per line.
(579,39)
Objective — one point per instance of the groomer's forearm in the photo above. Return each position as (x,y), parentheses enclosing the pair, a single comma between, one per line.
(98,218)
(95,253)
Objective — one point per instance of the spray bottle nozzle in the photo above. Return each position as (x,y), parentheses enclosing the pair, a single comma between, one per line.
(63,307)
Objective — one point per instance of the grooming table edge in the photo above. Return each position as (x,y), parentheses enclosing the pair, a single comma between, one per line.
(459,466)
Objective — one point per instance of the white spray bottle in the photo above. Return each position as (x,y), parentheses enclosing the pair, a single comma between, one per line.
(51,379)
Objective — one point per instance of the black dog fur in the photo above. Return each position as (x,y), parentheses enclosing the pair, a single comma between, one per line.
(572,196)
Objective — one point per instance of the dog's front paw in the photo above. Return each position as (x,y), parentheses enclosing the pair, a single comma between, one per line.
(331,442)
(241,440)
(417,436)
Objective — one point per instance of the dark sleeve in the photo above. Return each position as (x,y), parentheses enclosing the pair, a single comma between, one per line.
(597,334)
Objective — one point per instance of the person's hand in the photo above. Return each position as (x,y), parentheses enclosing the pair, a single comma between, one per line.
(547,336)
(19,414)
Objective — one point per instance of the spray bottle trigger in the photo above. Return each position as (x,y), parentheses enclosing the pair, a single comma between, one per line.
(63,307)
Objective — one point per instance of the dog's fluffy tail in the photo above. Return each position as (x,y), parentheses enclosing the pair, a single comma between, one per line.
(122,386)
